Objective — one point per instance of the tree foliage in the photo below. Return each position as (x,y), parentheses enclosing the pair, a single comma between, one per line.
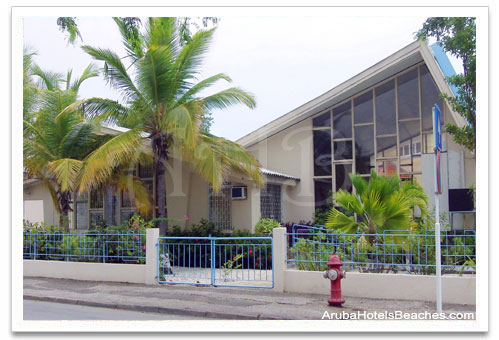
(69,25)
(458,37)
(382,204)
(161,101)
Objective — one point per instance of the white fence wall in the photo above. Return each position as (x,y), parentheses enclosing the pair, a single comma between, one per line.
(456,289)
(109,272)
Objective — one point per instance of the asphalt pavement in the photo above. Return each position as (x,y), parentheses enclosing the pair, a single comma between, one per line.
(209,302)
(40,310)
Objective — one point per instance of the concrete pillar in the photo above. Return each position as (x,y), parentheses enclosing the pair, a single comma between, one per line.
(151,256)
(255,213)
(280,256)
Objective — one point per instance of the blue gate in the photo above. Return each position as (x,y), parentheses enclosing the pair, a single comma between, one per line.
(216,261)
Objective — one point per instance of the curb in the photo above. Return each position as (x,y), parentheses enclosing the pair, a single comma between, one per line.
(152,309)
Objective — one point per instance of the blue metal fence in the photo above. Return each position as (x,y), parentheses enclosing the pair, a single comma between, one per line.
(216,261)
(392,251)
(85,247)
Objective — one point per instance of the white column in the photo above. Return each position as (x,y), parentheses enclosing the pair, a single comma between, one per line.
(151,256)
(280,251)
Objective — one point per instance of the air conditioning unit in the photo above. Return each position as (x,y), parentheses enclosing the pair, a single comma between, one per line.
(238,193)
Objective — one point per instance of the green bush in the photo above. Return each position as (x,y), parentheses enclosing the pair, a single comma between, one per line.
(265,225)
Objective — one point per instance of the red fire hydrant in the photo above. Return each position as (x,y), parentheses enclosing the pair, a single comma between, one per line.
(335,275)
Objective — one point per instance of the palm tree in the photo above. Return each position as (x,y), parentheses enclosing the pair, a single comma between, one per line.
(163,103)
(382,204)
(56,146)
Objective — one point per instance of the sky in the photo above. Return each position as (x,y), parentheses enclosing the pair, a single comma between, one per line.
(284,61)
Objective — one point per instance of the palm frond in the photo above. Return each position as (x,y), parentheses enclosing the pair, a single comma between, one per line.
(229,97)
(89,72)
(48,80)
(340,222)
(115,72)
(99,165)
(66,172)
(200,86)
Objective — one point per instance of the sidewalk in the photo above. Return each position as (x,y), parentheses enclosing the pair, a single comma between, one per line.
(213,302)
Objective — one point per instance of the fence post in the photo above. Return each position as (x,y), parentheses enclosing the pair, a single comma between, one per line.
(152,236)
(280,257)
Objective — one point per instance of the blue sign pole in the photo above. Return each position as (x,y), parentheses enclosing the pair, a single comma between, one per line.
(438,191)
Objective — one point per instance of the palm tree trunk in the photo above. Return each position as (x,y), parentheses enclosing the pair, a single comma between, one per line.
(65,201)
(161,194)
(160,149)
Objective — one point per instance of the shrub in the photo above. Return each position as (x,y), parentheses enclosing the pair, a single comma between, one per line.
(265,225)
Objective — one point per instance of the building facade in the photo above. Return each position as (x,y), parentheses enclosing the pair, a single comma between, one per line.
(380,120)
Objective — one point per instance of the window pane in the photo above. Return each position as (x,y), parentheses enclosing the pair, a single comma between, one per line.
(145,171)
(322,152)
(387,167)
(342,121)
(341,177)
(408,96)
(96,217)
(429,143)
(220,207)
(418,178)
(364,149)
(409,131)
(126,215)
(270,202)
(96,199)
(410,164)
(342,150)
(82,212)
(323,189)
(363,108)
(385,109)
(111,206)
(429,96)
(322,120)
(126,200)
(386,147)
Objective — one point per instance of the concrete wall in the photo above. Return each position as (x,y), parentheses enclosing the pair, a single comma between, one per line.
(291,152)
(39,192)
(455,289)
(109,272)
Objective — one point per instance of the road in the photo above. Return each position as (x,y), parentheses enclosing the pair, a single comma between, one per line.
(41,310)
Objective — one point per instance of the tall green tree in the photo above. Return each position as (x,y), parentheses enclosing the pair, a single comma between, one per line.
(30,90)
(458,37)
(380,205)
(162,105)
(56,146)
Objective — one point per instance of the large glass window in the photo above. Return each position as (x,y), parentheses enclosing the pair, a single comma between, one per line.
(364,149)
(322,152)
(342,121)
(385,109)
(363,108)
(342,150)
(388,137)
(386,147)
(323,189)
(408,95)
(429,96)
(322,120)
(341,177)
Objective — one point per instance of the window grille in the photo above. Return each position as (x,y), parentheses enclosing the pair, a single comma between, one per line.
(220,207)
(270,202)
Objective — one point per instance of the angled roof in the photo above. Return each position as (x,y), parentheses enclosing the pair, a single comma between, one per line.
(395,63)
(277,174)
